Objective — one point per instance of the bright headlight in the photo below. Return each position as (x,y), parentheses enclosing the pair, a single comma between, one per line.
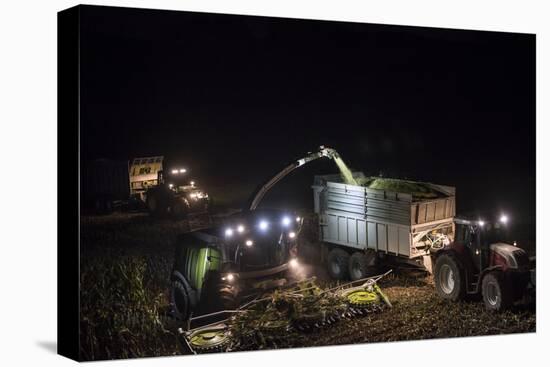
(228,232)
(249,243)
(240,229)
(291,234)
(264,225)
(286,221)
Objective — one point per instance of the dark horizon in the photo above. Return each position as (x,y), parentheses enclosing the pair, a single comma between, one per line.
(235,98)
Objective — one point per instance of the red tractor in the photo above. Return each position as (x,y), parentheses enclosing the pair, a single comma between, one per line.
(481,260)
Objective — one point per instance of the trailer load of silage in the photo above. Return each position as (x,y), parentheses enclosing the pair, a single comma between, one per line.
(418,190)
(285,317)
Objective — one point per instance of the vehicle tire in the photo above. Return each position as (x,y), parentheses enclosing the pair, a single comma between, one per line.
(362,265)
(228,297)
(337,263)
(180,300)
(155,205)
(496,292)
(449,278)
(180,209)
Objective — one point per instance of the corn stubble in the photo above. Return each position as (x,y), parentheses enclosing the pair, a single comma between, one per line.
(126,261)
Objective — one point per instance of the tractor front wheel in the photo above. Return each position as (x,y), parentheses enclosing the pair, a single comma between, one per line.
(180,300)
(496,292)
(228,297)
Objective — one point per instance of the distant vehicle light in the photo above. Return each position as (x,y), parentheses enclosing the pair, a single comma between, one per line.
(293,263)
(192,183)
(249,243)
(230,277)
(175,171)
(286,221)
(240,229)
(291,234)
(228,232)
(196,195)
(504,219)
(170,185)
(481,223)
(298,219)
(183,170)
(515,243)
(264,225)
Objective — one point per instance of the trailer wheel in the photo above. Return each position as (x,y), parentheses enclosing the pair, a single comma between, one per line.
(449,278)
(362,265)
(338,260)
(496,292)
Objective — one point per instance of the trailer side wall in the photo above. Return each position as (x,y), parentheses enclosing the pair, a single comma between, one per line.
(362,218)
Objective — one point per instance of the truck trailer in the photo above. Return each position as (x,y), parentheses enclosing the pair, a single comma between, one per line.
(360,225)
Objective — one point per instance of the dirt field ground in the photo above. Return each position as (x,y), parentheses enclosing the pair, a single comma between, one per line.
(126,261)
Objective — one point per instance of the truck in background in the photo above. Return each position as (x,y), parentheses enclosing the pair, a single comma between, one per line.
(143,173)
(108,184)
(104,185)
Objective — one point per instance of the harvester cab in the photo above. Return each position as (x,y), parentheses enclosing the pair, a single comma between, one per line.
(483,259)
(252,251)
(221,267)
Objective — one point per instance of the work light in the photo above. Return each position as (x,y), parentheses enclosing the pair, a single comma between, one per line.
(286,221)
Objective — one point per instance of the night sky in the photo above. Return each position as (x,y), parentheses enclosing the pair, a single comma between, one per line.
(235,98)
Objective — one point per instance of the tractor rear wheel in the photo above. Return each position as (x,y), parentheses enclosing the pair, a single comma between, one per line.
(496,292)
(337,262)
(449,278)
(362,265)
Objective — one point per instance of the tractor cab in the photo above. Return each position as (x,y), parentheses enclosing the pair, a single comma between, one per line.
(175,178)
(176,194)
(489,244)
(177,181)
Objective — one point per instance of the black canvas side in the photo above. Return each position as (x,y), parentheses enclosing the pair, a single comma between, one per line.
(68,223)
